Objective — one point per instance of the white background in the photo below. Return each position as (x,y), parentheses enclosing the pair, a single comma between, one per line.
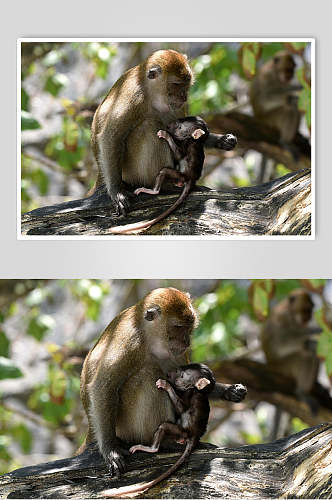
(166,258)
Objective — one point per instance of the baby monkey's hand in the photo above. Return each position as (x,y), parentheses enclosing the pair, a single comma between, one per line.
(162,384)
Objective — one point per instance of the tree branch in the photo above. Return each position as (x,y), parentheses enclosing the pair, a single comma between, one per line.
(280,207)
(296,467)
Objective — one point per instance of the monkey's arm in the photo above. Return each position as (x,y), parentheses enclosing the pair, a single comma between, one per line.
(110,145)
(176,401)
(229,392)
(162,134)
(113,370)
(221,141)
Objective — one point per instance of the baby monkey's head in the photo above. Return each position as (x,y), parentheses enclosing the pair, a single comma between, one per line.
(190,127)
(192,376)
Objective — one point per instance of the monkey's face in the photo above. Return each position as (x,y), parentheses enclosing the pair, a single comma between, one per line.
(301,307)
(284,66)
(190,377)
(179,330)
(191,127)
(177,92)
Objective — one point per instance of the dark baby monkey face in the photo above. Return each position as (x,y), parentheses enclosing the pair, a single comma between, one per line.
(192,376)
(191,127)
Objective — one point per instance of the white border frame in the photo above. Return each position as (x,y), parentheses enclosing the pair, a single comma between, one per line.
(170,237)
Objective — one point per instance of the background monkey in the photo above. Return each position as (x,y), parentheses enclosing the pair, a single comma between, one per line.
(273,97)
(118,377)
(124,128)
(289,344)
(188,388)
(186,138)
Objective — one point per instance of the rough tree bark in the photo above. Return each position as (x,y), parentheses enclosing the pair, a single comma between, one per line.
(296,467)
(280,207)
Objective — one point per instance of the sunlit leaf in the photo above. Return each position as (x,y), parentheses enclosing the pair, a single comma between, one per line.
(28,122)
(8,369)
(4,345)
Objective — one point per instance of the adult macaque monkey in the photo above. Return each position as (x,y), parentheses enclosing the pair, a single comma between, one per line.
(124,129)
(289,344)
(119,374)
(273,96)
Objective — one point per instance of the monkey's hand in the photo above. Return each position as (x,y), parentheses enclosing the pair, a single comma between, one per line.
(227,142)
(162,134)
(162,384)
(235,392)
(115,462)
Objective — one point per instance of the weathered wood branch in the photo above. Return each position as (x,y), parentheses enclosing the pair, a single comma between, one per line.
(280,207)
(252,134)
(296,467)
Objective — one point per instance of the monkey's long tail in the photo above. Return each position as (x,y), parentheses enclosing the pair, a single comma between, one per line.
(135,489)
(137,226)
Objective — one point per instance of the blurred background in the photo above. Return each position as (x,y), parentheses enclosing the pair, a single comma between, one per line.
(48,326)
(63,83)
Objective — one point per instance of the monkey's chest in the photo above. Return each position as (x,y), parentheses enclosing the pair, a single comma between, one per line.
(142,407)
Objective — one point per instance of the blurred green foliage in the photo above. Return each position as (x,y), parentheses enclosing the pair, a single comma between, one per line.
(68,147)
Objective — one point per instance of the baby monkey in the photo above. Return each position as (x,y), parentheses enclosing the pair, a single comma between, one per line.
(188,388)
(186,138)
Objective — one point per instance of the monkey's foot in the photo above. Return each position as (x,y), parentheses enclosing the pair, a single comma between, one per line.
(115,462)
(140,447)
(145,190)
(121,201)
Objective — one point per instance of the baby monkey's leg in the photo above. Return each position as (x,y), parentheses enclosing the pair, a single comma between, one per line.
(164,172)
(163,429)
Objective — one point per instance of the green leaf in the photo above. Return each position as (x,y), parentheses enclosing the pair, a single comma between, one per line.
(39,325)
(298,46)
(249,61)
(8,369)
(55,82)
(24,99)
(4,345)
(40,178)
(28,122)
(22,434)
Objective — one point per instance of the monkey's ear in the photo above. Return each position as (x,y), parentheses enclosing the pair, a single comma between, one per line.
(187,294)
(201,383)
(154,72)
(197,133)
(151,313)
